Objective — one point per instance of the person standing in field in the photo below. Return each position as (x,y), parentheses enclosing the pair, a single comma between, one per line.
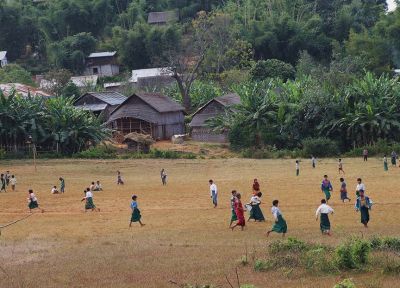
(239,213)
(365,154)
(326,188)
(3,184)
(136,216)
(92,186)
(393,157)
(385,163)
(360,186)
(256,212)
(233,212)
(297,167)
(13,182)
(313,161)
(280,225)
(7,177)
(213,193)
(89,205)
(323,212)
(343,190)
(340,166)
(256,187)
(62,184)
(363,204)
(32,201)
(119,178)
(163,175)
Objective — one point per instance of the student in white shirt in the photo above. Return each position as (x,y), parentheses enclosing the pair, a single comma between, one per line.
(213,193)
(54,190)
(89,200)
(98,187)
(297,167)
(360,186)
(280,225)
(313,161)
(32,201)
(323,212)
(13,182)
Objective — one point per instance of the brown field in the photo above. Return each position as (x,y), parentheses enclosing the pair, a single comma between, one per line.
(185,239)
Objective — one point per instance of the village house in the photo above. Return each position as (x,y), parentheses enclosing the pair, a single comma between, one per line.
(152,77)
(89,81)
(100,103)
(216,107)
(3,58)
(102,64)
(162,18)
(149,113)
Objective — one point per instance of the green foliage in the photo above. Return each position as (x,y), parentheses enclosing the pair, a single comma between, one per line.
(272,68)
(98,152)
(320,147)
(247,286)
(2,153)
(263,265)
(13,73)
(353,254)
(346,283)
(291,244)
(318,260)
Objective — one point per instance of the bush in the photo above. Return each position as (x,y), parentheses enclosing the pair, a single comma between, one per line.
(2,153)
(353,254)
(98,152)
(346,283)
(320,147)
(381,147)
(291,244)
(272,68)
(318,260)
(263,265)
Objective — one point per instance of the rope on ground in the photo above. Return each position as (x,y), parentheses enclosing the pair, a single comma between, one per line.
(14,222)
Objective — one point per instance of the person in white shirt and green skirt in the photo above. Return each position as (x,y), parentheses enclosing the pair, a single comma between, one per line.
(323,212)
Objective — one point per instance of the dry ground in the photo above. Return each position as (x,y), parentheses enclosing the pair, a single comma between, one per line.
(185,239)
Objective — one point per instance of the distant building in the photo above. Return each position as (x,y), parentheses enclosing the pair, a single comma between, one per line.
(163,18)
(23,90)
(85,81)
(100,103)
(149,113)
(217,106)
(152,77)
(102,64)
(3,58)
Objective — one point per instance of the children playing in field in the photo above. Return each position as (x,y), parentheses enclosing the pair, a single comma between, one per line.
(256,212)
(89,204)
(256,187)
(393,157)
(54,190)
(119,178)
(323,212)
(32,201)
(297,167)
(385,163)
(97,186)
(163,175)
(326,188)
(13,182)
(313,161)
(280,225)
(363,204)
(213,193)
(239,213)
(92,186)
(360,186)
(62,184)
(3,184)
(233,212)
(343,190)
(340,166)
(136,216)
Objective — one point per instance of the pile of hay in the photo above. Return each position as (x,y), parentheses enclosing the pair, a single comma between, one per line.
(144,139)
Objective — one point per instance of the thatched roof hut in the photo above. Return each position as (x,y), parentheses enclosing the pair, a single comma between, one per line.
(138,142)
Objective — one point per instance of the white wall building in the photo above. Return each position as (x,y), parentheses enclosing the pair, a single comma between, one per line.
(102,64)
(3,58)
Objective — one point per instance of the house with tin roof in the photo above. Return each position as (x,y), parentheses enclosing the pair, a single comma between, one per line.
(162,18)
(102,64)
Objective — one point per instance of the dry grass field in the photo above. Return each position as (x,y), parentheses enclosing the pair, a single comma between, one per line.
(185,239)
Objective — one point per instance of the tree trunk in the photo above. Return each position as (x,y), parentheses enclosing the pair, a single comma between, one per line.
(187,102)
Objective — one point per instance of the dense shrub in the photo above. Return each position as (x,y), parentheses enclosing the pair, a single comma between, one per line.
(291,244)
(98,152)
(353,254)
(346,283)
(2,153)
(272,68)
(320,147)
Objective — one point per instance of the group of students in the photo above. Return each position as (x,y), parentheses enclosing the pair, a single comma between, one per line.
(6,179)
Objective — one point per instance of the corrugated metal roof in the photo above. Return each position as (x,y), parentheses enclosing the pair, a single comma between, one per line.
(229,99)
(160,102)
(111,98)
(151,72)
(23,90)
(3,55)
(92,107)
(102,54)
(162,17)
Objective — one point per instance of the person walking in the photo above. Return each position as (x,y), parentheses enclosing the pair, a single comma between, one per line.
(365,154)
(136,216)
(3,184)
(323,212)
(280,225)
(363,204)
(163,175)
(326,188)
(213,193)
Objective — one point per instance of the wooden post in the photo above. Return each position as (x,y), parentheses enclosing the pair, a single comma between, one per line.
(34,156)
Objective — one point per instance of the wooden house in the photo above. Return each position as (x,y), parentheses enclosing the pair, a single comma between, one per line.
(100,103)
(162,18)
(200,131)
(102,64)
(149,113)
